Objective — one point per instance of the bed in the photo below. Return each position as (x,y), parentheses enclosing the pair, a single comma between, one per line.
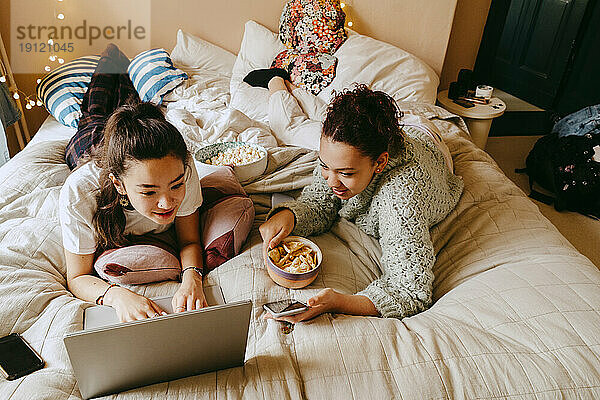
(516,307)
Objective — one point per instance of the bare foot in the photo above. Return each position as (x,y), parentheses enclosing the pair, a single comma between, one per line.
(276,84)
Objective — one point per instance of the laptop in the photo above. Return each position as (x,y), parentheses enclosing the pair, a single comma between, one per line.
(109,356)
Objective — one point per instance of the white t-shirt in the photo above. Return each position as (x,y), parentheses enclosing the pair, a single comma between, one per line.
(77,205)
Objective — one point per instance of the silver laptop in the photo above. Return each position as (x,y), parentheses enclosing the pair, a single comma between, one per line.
(109,357)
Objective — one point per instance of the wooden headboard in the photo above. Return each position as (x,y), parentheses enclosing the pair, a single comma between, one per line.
(420,27)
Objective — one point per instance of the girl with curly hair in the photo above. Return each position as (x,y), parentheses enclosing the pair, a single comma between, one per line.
(393,182)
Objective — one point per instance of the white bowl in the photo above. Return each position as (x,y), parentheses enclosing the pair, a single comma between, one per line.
(244,172)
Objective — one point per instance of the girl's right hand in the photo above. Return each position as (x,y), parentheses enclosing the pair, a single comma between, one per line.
(276,228)
(131,306)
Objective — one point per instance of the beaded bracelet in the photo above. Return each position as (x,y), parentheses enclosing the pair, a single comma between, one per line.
(197,269)
(100,299)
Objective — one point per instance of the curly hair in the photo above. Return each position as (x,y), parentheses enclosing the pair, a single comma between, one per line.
(365,119)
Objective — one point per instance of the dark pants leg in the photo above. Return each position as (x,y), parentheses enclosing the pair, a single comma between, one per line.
(109,88)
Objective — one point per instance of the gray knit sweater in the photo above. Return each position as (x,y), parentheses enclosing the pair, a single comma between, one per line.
(414,192)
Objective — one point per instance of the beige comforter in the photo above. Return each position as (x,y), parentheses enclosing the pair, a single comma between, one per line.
(516,310)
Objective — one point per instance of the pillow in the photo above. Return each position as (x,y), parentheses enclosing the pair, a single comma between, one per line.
(153,75)
(62,90)
(258,49)
(361,59)
(384,67)
(137,264)
(192,53)
(226,215)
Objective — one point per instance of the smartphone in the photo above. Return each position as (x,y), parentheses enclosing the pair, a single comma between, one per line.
(285,307)
(464,103)
(17,357)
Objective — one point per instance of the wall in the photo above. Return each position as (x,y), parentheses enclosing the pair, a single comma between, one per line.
(456,25)
(467,29)
(25,82)
(410,25)
(387,20)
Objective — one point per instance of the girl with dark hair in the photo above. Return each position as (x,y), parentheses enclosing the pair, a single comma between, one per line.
(133,181)
(393,182)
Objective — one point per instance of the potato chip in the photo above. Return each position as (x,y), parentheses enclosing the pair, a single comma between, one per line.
(294,257)
(293,246)
(274,255)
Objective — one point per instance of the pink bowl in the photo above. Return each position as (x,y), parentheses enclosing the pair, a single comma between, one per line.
(291,280)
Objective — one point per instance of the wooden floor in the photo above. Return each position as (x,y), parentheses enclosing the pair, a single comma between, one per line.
(583,232)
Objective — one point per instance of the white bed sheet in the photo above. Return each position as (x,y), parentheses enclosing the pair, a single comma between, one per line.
(50,130)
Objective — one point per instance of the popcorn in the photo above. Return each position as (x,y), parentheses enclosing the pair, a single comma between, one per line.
(239,155)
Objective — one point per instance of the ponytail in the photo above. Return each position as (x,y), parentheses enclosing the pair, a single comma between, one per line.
(109,219)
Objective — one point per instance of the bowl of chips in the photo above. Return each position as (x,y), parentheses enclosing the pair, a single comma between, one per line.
(294,263)
(248,160)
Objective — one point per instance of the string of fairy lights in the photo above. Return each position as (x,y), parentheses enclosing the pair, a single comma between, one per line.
(348,22)
(32,100)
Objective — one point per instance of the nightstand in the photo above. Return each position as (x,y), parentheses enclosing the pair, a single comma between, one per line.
(478,118)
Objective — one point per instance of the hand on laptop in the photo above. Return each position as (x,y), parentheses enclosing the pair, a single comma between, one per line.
(190,295)
(131,306)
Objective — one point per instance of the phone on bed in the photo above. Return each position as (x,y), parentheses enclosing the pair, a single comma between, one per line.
(285,307)
(17,357)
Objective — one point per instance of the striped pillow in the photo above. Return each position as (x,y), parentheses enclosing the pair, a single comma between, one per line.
(62,90)
(153,75)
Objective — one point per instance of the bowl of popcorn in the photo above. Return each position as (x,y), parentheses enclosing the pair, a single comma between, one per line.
(294,263)
(248,160)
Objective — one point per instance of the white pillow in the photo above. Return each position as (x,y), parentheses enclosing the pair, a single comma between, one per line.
(384,67)
(258,50)
(192,53)
(361,59)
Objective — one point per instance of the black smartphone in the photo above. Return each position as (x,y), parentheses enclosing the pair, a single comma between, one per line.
(17,357)
(464,103)
(285,307)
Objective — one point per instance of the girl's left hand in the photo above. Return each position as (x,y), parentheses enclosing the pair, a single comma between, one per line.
(190,295)
(327,300)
